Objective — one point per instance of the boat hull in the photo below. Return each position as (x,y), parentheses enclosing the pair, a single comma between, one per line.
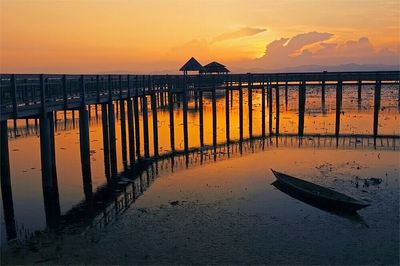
(317,195)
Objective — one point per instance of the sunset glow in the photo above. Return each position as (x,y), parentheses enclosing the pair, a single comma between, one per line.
(150,36)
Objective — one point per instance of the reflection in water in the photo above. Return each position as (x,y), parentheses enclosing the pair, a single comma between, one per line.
(219,126)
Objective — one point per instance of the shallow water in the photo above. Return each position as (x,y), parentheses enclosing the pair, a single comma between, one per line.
(224,209)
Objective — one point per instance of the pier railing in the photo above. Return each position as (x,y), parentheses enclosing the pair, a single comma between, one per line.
(30,95)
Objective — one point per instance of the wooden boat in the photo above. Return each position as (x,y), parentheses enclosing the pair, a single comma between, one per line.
(321,195)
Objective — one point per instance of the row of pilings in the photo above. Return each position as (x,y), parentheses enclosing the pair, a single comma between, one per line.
(134,105)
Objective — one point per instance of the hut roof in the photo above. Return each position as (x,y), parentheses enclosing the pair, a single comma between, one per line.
(192,65)
(215,67)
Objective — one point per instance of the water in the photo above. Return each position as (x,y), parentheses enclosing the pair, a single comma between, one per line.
(231,185)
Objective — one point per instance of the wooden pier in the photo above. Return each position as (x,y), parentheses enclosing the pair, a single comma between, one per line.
(40,97)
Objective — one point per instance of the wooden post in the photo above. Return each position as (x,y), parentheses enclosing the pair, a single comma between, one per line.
(250,105)
(377,106)
(171,118)
(286,95)
(338,106)
(269,88)
(302,103)
(185,119)
(227,125)
(201,117)
(123,132)
(6,191)
(97,90)
(214,113)
(48,181)
(55,201)
(43,94)
(85,153)
(145,126)
(155,123)
(64,89)
(323,92)
(14,95)
(240,109)
(106,143)
(263,109)
(112,138)
(136,116)
(359,99)
(277,106)
(131,133)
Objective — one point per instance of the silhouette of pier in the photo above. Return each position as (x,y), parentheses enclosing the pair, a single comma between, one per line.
(128,97)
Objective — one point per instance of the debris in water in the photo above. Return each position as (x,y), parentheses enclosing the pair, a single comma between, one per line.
(173,203)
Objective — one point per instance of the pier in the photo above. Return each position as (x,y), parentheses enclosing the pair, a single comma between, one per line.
(136,99)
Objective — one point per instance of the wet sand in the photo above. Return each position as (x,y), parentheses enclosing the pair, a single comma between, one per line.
(229,213)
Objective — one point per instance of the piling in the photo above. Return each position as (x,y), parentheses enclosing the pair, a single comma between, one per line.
(302,103)
(339,91)
(263,110)
(131,133)
(250,105)
(171,119)
(377,106)
(269,89)
(214,114)
(155,124)
(106,144)
(6,191)
(50,195)
(185,118)
(277,106)
(112,138)
(137,125)
(286,95)
(240,110)
(201,117)
(85,153)
(123,133)
(227,125)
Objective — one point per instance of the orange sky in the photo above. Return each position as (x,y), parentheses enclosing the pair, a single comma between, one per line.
(94,36)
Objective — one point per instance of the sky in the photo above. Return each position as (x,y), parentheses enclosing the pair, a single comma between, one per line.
(132,36)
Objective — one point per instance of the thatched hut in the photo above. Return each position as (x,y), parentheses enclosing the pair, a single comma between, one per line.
(215,67)
(192,65)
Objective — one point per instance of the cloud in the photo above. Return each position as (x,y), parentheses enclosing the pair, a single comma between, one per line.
(243,32)
(295,51)
(205,49)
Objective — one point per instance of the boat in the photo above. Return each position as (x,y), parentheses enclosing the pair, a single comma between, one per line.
(320,195)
